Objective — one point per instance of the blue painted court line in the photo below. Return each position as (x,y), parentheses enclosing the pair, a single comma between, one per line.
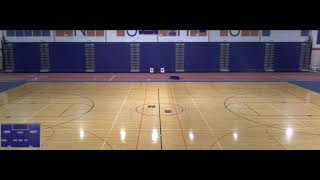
(310,85)
(4,86)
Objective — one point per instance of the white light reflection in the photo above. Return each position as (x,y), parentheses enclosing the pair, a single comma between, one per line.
(235,136)
(123,135)
(81,133)
(289,132)
(154,135)
(191,135)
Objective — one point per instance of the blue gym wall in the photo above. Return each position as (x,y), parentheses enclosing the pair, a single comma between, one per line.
(115,56)
(287,56)
(157,55)
(26,57)
(202,57)
(66,57)
(247,56)
(112,57)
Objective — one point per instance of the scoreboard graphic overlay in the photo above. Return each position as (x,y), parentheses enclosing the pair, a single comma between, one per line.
(20,135)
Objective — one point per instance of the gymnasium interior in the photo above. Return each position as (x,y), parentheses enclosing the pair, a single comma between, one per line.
(160,89)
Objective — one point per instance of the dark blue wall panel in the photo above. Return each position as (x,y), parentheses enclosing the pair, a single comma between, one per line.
(115,57)
(112,57)
(247,56)
(26,57)
(202,57)
(287,56)
(157,55)
(67,57)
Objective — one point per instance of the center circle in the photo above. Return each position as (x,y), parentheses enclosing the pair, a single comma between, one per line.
(166,109)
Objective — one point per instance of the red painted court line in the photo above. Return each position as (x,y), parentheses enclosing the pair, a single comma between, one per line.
(98,138)
(267,132)
(219,139)
(48,137)
(185,144)
(141,117)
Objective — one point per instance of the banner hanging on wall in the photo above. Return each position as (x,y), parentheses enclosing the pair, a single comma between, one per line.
(147,32)
(133,33)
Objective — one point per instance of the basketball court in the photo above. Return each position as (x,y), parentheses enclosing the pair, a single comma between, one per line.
(165,115)
(159,89)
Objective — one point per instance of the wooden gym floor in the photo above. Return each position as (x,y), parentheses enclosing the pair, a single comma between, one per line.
(167,115)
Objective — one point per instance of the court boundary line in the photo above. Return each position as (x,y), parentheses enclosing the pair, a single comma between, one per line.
(274,139)
(229,133)
(48,138)
(44,107)
(252,109)
(141,117)
(261,123)
(203,118)
(160,118)
(70,128)
(20,98)
(65,110)
(80,115)
(309,115)
(177,114)
(114,122)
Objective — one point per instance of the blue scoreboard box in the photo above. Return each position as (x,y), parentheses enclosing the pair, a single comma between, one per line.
(20,135)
